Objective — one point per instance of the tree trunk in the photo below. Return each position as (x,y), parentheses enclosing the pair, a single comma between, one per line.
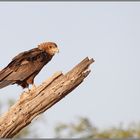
(36,101)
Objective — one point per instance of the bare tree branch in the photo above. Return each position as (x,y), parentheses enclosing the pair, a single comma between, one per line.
(38,100)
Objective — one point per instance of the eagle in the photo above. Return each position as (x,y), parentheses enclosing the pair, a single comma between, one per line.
(26,65)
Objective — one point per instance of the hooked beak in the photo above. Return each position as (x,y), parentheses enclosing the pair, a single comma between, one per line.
(57,50)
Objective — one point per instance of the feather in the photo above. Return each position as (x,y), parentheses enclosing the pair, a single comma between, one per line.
(5,83)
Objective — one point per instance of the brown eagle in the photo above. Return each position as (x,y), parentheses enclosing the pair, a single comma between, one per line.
(25,66)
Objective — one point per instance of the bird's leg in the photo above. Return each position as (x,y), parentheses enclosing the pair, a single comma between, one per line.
(27,90)
(30,81)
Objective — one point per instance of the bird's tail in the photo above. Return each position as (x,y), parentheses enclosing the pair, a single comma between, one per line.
(5,83)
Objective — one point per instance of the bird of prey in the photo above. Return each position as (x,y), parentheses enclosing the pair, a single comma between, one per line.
(25,66)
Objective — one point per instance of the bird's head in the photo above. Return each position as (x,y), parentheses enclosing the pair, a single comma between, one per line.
(49,47)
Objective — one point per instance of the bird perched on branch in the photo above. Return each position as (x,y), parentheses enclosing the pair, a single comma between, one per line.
(25,66)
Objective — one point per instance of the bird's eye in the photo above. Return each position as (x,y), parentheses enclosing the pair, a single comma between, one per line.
(50,47)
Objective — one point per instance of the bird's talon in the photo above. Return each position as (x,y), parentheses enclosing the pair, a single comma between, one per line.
(33,87)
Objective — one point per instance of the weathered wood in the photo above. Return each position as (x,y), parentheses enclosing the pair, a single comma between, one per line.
(38,100)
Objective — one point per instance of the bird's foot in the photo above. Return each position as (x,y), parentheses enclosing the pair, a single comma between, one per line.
(33,87)
(28,90)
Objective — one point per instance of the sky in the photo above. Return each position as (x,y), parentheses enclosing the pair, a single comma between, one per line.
(108,32)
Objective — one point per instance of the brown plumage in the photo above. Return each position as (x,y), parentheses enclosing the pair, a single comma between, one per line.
(24,67)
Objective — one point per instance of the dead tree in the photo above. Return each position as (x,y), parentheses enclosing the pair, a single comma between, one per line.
(32,103)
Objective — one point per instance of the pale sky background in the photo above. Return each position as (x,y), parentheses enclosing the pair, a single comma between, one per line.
(109,32)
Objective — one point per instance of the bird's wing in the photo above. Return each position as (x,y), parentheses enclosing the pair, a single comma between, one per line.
(17,61)
(21,67)
(24,55)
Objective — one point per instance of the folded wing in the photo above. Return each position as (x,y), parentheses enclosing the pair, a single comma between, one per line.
(22,67)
